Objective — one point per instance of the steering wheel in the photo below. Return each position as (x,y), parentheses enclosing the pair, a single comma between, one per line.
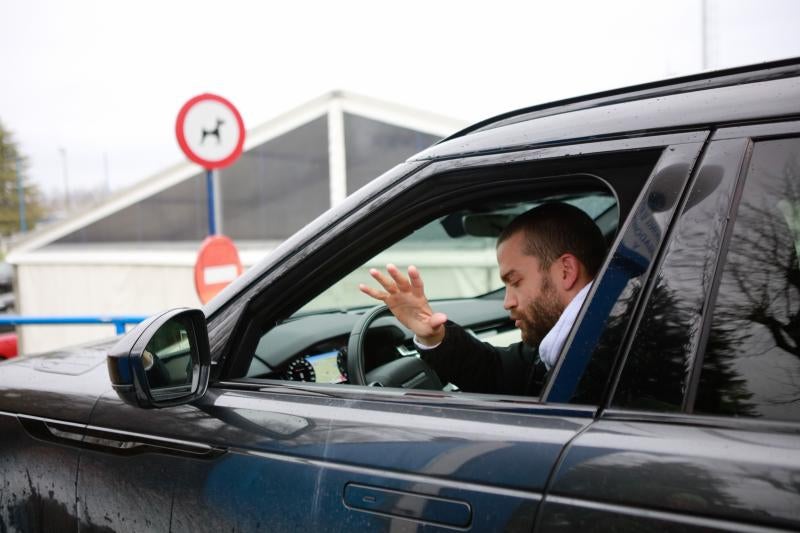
(408,372)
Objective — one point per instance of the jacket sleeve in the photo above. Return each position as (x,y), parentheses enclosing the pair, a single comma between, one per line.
(476,366)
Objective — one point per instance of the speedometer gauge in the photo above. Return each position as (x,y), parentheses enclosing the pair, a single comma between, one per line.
(300,370)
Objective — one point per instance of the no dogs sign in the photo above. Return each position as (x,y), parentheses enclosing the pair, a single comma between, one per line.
(210,131)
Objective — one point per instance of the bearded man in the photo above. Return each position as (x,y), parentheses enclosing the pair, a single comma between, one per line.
(548,257)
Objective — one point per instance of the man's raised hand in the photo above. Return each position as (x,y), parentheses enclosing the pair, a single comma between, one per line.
(405,297)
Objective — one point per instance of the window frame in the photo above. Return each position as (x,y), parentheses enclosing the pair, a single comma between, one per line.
(260,309)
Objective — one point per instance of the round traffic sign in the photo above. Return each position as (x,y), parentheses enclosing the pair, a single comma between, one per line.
(210,131)
(217,265)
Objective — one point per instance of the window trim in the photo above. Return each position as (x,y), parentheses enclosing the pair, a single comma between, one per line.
(702,420)
(758,132)
(690,396)
(435,173)
(441,399)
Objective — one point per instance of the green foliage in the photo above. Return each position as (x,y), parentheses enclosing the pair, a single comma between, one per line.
(11,162)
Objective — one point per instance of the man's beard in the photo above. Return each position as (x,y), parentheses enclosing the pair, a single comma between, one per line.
(541,314)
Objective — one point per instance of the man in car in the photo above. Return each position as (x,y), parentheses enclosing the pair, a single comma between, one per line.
(548,257)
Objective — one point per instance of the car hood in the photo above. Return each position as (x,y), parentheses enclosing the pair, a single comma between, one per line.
(59,385)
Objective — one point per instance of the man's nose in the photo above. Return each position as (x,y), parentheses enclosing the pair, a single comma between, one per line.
(509,301)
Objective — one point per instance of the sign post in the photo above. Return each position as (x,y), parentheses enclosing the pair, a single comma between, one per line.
(211,133)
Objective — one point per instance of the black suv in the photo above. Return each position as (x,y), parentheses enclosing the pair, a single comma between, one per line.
(290,403)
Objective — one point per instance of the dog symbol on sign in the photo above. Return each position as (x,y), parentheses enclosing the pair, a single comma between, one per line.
(212,132)
(207,115)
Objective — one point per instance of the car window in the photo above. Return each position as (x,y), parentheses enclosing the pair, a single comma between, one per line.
(657,370)
(751,364)
(720,334)
(455,254)
(447,227)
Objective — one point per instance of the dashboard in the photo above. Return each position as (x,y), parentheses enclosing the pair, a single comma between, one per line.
(313,347)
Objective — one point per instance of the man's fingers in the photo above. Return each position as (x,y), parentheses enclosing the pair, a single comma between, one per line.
(414,276)
(385,282)
(398,277)
(374,293)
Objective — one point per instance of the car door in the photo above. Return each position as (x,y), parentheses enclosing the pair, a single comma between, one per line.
(47,400)
(279,455)
(702,427)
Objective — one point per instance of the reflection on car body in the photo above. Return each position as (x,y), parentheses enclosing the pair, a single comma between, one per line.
(674,403)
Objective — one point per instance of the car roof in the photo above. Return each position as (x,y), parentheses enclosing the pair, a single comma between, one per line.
(731,96)
(685,104)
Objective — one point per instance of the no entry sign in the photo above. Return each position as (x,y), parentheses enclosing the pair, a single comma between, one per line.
(217,265)
(210,131)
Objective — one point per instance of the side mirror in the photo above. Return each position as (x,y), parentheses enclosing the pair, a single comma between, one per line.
(163,361)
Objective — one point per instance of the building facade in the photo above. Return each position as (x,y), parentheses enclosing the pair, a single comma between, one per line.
(135,253)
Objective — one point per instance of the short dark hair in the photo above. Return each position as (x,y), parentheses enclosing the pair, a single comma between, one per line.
(553,229)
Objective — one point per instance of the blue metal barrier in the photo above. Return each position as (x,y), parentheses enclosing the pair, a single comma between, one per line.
(118,321)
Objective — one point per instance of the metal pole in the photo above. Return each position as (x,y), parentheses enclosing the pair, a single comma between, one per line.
(337,162)
(212,220)
(218,220)
(66,177)
(23,224)
(704,32)
(105,173)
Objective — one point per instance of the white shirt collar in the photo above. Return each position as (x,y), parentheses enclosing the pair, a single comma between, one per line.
(551,344)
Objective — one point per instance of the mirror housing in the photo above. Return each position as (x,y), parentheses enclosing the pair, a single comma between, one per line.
(163,361)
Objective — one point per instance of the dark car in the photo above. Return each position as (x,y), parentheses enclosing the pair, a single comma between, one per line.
(290,403)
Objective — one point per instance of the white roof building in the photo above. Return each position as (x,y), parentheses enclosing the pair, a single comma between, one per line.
(135,253)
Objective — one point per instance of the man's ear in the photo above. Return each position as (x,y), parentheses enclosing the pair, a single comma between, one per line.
(568,272)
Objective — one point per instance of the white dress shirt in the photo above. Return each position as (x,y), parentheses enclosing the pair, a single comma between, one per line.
(551,344)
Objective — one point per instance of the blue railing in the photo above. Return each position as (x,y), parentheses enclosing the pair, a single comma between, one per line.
(118,321)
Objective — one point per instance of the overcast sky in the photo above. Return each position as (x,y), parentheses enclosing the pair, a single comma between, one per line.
(104,80)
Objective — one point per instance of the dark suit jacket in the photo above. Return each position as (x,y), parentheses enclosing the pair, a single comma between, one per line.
(476,366)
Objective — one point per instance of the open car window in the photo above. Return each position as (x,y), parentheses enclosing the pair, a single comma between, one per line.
(455,253)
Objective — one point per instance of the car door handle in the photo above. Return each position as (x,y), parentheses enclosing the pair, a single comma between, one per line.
(415,506)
